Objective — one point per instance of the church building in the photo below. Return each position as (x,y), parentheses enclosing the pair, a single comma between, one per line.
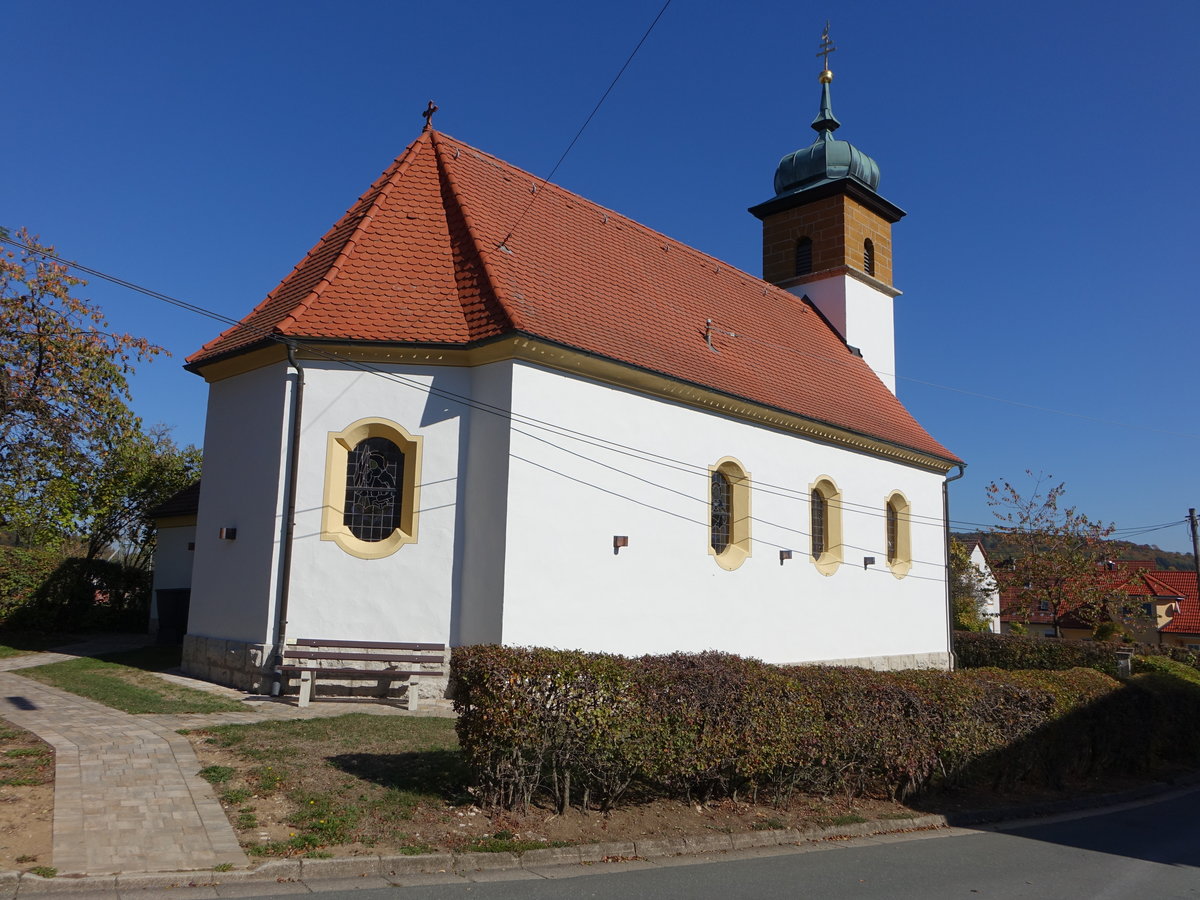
(484,409)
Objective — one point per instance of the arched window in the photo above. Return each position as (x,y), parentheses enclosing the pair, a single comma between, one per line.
(898,533)
(372,488)
(729,513)
(804,256)
(825,525)
(869,256)
(819,510)
(373,499)
(721,509)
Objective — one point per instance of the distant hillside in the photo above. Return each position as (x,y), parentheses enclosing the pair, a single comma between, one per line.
(997,548)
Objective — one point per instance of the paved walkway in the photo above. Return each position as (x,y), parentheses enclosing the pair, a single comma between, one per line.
(126,794)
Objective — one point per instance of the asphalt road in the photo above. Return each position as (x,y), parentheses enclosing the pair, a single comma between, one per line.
(1146,851)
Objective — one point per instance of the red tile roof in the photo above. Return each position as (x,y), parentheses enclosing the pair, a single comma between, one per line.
(418,260)
(1182,584)
(1138,579)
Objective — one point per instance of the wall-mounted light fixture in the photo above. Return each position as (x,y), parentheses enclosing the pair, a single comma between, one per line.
(868,561)
(784,554)
(619,541)
(228,534)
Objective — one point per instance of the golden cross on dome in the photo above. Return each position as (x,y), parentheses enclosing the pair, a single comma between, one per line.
(826,48)
(428,115)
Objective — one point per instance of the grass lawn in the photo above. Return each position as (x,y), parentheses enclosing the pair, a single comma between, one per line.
(298,786)
(125,681)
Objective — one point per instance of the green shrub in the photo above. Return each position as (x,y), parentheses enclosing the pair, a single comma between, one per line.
(1007,651)
(578,728)
(41,590)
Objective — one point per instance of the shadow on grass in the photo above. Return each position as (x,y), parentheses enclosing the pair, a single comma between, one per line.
(440,774)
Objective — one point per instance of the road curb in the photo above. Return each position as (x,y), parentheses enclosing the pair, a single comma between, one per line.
(396,868)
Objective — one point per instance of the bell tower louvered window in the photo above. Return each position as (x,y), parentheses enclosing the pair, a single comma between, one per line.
(804,256)
(869,256)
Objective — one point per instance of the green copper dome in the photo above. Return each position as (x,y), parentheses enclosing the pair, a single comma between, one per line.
(825,159)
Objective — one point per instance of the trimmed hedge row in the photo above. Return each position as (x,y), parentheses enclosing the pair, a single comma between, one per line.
(584,729)
(1011,651)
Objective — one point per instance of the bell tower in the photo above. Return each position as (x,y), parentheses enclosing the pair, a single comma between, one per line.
(827,235)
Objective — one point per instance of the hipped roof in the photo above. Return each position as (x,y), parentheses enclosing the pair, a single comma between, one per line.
(452,246)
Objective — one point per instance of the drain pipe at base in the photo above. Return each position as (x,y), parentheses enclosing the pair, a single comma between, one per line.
(962,470)
(285,566)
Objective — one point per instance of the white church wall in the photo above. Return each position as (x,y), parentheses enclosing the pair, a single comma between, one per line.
(862,315)
(234,581)
(484,498)
(565,587)
(407,595)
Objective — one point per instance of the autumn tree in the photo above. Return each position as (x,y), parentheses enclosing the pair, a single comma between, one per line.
(969,589)
(142,472)
(1057,569)
(63,393)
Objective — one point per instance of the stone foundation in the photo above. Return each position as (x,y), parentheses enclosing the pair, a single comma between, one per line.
(236,664)
(888,663)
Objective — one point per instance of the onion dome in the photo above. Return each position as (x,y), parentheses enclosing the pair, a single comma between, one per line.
(826,159)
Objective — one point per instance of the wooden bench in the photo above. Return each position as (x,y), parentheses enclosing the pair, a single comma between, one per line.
(313,658)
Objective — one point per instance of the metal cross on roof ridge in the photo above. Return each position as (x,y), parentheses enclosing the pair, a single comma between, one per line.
(826,46)
(428,115)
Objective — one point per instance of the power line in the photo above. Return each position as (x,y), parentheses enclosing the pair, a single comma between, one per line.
(586,122)
(558,430)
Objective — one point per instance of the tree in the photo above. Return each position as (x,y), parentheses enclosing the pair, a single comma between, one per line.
(1058,568)
(145,470)
(969,589)
(63,393)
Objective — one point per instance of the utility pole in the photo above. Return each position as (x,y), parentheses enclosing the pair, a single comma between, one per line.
(1195,545)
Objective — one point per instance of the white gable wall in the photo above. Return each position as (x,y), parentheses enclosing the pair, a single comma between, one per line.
(565,587)
(234,583)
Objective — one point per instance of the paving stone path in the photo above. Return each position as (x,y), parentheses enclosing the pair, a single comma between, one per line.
(126,794)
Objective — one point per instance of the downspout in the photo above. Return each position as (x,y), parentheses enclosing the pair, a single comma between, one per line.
(285,566)
(949,575)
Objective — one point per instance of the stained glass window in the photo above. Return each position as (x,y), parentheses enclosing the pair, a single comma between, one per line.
(722,501)
(818,511)
(374,473)
(893,533)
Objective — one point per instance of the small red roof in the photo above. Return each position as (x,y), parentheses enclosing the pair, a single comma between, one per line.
(1182,585)
(426,257)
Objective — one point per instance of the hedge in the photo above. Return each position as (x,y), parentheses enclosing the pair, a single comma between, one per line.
(587,729)
(41,590)
(1011,651)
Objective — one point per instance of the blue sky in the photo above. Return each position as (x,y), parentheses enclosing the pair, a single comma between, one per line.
(1044,154)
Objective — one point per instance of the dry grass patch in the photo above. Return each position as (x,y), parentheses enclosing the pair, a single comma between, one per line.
(26,798)
(397,785)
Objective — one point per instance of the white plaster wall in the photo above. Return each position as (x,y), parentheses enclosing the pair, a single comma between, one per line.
(476,617)
(407,596)
(564,586)
(172,558)
(862,315)
(234,582)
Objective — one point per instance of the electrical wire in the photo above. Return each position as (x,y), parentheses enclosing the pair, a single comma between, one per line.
(537,191)
(472,403)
